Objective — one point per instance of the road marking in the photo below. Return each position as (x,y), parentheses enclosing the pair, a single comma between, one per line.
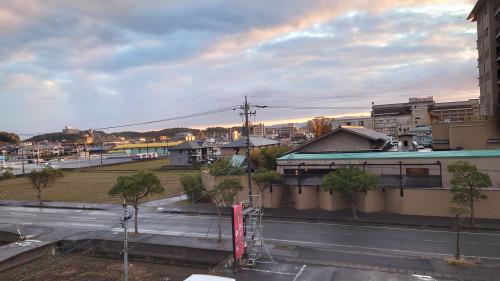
(300,272)
(268,271)
(437,241)
(382,227)
(371,248)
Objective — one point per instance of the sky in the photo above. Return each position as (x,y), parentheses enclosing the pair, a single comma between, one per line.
(162,64)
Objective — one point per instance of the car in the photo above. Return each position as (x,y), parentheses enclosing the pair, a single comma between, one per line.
(30,161)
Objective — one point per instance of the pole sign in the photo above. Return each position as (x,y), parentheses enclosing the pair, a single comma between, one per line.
(238,231)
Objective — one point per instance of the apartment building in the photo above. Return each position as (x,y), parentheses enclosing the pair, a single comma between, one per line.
(287,130)
(258,129)
(457,110)
(399,118)
(486,13)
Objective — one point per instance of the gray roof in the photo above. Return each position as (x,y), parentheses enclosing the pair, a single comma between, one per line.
(190,145)
(256,141)
(360,131)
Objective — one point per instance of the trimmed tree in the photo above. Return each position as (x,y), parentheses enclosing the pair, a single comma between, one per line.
(223,194)
(458,209)
(264,178)
(466,183)
(191,183)
(44,178)
(135,187)
(286,200)
(349,181)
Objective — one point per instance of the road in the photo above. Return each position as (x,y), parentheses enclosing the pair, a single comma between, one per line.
(429,243)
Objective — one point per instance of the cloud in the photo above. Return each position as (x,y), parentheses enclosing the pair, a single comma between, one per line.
(124,62)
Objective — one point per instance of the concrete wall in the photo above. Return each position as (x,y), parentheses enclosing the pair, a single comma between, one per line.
(425,202)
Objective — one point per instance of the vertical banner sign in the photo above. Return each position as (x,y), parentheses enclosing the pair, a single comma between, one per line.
(238,231)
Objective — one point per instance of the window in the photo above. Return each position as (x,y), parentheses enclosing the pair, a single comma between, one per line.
(361,123)
(486,32)
(180,151)
(180,159)
(417,171)
(405,143)
(348,123)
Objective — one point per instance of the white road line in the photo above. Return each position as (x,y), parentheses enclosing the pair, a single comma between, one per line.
(437,241)
(269,271)
(300,272)
(371,248)
(381,227)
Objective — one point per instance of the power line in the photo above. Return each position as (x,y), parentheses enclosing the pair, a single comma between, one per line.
(174,118)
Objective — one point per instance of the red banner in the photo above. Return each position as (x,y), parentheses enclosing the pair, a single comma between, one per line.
(238,231)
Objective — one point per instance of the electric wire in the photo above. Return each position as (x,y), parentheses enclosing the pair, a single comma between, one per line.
(40,263)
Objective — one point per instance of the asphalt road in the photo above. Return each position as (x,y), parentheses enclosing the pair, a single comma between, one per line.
(381,240)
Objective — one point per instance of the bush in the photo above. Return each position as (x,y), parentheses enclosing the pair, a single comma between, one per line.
(286,200)
(191,183)
(8,175)
(224,167)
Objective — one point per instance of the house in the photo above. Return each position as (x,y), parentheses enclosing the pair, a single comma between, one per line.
(411,183)
(239,146)
(190,152)
(103,149)
(346,139)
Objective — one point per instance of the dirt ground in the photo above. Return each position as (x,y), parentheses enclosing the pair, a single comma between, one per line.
(83,267)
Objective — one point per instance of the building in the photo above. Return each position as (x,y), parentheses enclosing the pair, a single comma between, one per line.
(398,118)
(411,183)
(486,13)
(363,121)
(457,110)
(239,146)
(257,129)
(287,130)
(69,130)
(190,152)
(346,139)
(478,134)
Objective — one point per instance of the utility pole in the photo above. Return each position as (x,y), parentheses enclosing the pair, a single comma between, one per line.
(124,221)
(22,156)
(246,107)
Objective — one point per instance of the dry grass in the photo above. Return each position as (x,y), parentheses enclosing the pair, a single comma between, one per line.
(461,262)
(83,267)
(86,187)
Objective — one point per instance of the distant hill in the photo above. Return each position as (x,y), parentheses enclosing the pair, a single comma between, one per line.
(276,126)
(170,132)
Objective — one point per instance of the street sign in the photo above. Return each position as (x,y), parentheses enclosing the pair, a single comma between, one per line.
(238,231)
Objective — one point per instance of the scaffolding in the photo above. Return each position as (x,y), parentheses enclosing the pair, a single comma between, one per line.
(253,237)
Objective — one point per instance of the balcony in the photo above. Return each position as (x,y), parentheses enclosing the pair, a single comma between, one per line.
(497,34)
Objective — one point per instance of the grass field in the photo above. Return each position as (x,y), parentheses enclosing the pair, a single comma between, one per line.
(135,165)
(92,185)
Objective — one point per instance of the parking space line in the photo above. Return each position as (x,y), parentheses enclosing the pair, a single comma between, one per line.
(300,272)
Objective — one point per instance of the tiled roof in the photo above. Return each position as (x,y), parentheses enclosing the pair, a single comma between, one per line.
(361,131)
(190,145)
